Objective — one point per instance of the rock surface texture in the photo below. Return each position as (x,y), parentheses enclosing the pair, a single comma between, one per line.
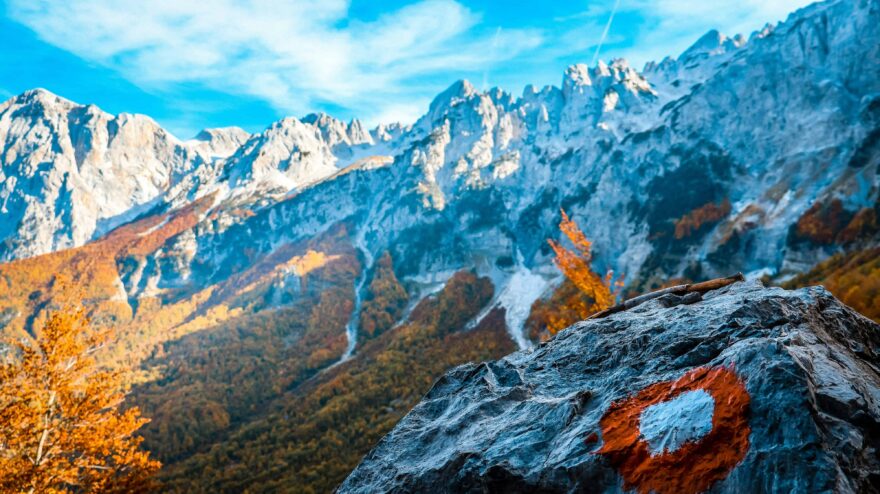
(750,389)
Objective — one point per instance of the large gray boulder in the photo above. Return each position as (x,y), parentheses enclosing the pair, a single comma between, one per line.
(749,389)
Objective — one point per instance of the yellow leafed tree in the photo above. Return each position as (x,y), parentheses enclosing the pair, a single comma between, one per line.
(61,426)
(575,265)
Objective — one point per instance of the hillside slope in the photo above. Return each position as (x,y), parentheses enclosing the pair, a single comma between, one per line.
(258,277)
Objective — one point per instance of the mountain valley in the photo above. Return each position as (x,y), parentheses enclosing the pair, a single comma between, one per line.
(284,298)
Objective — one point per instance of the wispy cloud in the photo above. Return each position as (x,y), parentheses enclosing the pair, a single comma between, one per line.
(670,26)
(493,47)
(298,55)
(605,31)
(303,55)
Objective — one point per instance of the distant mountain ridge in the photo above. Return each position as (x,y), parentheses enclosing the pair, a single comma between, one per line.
(72,172)
(697,166)
(253,271)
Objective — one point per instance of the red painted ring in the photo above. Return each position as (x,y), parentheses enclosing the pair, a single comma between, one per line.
(695,466)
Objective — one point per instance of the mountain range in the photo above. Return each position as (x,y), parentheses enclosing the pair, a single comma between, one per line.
(251,274)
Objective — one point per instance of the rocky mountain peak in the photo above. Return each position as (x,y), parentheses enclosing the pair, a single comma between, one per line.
(335,132)
(576,75)
(603,76)
(710,44)
(459,92)
(219,142)
(765,31)
(386,132)
(222,133)
(589,95)
(288,154)
(761,159)
(71,170)
(41,97)
(357,133)
(626,144)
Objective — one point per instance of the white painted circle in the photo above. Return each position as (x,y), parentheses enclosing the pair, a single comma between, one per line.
(667,426)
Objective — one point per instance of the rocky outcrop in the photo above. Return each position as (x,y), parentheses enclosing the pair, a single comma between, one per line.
(70,173)
(747,389)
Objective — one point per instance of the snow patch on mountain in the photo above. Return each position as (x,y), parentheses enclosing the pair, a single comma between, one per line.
(523,288)
(761,129)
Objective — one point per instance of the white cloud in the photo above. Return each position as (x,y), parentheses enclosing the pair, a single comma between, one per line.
(294,54)
(302,55)
(605,30)
(671,26)
(407,112)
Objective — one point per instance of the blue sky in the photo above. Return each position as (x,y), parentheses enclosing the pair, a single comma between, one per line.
(213,63)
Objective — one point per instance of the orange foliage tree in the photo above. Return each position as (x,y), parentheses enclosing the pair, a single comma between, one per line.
(823,222)
(575,265)
(61,427)
(703,215)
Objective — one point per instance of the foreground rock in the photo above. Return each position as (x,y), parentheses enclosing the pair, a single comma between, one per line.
(750,389)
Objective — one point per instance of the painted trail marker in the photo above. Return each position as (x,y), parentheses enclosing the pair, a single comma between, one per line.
(679,437)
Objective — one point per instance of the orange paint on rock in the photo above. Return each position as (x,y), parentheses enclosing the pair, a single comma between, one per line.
(696,465)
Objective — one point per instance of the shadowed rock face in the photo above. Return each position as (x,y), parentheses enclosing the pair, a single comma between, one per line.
(795,403)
